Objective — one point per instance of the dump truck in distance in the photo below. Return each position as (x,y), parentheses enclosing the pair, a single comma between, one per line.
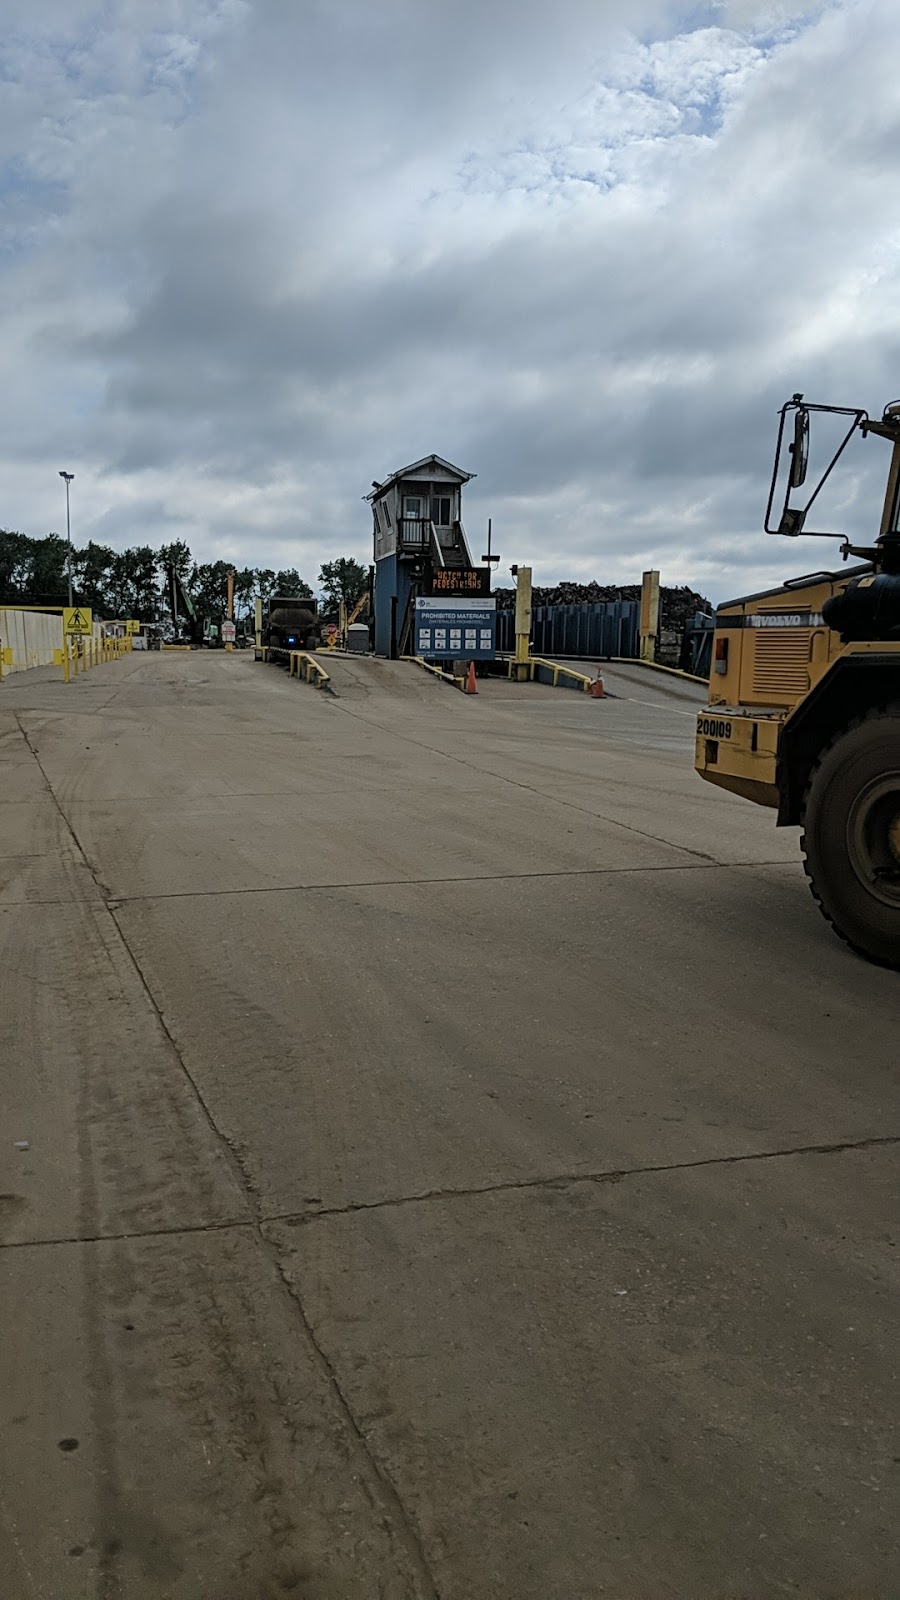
(804,697)
(291,624)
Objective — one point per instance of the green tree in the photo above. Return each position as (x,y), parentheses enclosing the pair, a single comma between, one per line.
(92,570)
(178,555)
(133,588)
(344,579)
(208,588)
(144,579)
(244,591)
(265,582)
(15,565)
(47,578)
(289,583)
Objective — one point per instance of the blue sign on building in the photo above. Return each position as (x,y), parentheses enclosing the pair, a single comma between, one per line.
(459,630)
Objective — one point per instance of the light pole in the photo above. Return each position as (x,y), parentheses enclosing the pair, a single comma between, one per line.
(68,477)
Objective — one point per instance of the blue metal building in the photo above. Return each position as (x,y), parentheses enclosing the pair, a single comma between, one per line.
(417,517)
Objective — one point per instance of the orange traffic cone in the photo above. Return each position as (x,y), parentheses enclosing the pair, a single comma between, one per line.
(470,680)
(597,688)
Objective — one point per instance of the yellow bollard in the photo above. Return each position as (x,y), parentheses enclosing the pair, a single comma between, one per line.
(65,655)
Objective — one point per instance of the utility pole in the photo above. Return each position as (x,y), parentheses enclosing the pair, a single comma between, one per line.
(68,477)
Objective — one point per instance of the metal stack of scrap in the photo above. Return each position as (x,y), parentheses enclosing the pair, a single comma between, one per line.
(677,604)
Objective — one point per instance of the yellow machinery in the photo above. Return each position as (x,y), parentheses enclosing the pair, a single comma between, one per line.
(804,701)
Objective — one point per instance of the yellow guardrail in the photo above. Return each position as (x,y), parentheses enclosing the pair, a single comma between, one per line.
(302,665)
(438,672)
(657,666)
(82,653)
(559,669)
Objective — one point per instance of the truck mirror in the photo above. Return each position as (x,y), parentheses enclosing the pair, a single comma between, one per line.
(799,449)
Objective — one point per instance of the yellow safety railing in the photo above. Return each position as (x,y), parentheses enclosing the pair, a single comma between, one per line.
(81,653)
(657,666)
(303,665)
(439,672)
(560,670)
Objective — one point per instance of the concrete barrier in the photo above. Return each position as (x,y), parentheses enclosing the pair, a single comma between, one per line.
(29,639)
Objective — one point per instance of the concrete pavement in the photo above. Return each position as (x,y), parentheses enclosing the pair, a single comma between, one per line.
(461,1162)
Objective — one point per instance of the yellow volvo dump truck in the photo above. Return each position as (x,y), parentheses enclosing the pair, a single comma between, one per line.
(804,699)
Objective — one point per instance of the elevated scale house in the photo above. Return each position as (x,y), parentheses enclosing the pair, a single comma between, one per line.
(431,600)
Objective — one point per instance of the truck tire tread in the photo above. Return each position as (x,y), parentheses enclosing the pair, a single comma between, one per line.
(889,710)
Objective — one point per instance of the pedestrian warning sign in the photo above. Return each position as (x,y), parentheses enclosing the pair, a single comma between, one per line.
(76,620)
(132,625)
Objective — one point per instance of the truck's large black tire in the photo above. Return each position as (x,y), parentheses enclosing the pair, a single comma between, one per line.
(851,837)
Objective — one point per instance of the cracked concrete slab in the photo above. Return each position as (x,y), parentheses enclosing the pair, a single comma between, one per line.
(668,1385)
(396,1039)
(164,1409)
(537,1382)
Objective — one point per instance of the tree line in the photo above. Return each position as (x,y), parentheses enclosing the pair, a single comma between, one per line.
(134,582)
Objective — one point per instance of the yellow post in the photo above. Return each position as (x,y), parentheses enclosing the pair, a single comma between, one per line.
(522,656)
(229,607)
(649,615)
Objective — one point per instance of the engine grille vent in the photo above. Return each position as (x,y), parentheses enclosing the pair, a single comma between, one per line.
(781,663)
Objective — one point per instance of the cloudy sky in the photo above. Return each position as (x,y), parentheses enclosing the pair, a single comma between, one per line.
(256,253)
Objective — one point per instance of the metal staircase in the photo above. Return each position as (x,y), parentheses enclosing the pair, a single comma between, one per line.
(449,547)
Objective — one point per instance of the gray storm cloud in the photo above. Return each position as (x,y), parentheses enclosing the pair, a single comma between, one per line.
(256,255)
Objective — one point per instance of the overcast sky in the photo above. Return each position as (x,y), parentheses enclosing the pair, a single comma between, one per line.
(257,253)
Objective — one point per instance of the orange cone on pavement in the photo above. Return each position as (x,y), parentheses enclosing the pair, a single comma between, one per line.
(597,688)
(470,680)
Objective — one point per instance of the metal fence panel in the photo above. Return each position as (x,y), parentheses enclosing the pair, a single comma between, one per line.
(604,628)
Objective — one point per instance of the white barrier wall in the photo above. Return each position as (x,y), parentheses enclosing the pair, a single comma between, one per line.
(32,636)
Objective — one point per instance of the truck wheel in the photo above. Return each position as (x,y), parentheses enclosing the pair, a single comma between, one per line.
(851,838)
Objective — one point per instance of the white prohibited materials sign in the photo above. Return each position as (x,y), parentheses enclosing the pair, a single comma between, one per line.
(77,620)
(228,631)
